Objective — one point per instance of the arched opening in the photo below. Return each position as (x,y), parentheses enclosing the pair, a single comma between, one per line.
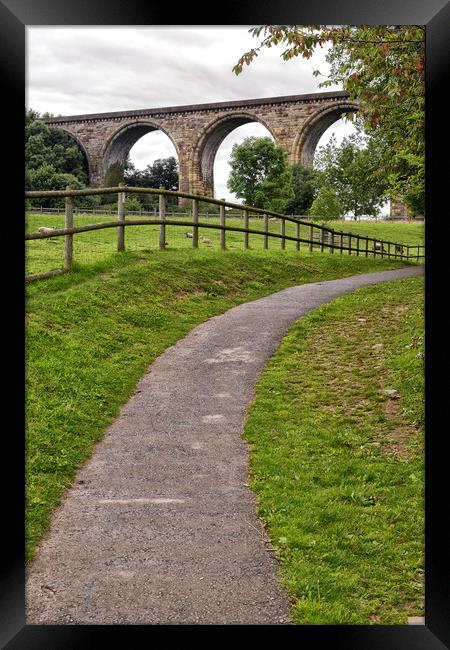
(209,178)
(153,162)
(142,143)
(152,146)
(315,127)
(223,154)
(340,129)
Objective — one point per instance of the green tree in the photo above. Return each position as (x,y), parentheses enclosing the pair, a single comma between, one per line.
(53,161)
(260,174)
(162,173)
(326,205)
(45,145)
(382,67)
(305,187)
(132,203)
(46,177)
(353,170)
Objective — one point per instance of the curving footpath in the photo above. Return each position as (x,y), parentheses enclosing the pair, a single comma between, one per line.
(160,526)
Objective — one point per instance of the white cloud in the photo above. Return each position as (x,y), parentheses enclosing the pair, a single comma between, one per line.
(76,70)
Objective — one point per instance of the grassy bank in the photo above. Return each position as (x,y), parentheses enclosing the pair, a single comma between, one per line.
(337,462)
(91,334)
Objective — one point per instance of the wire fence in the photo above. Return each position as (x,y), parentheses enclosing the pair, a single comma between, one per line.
(66,235)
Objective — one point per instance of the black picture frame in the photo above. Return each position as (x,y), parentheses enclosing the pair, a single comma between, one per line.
(15,16)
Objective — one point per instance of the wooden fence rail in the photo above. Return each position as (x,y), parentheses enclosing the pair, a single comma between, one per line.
(318,236)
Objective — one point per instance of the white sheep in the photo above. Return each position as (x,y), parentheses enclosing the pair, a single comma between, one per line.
(189,234)
(378,247)
(47,231)
(205,240)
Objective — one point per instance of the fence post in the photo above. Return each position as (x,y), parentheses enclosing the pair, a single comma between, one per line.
(341,242)
(121,219)
(246,227)
(357,245)
(222,223)
(297,234)
(162,218)
(195,221)
(331,241)
(349,244)
(321,240)
(367,247)
(68,239)
(417,258)
(310,239)
(283,234)
(266,230)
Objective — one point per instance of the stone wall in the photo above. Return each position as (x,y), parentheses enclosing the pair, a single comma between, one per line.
(398,209)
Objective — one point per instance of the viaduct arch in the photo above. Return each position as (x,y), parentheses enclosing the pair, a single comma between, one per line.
(296,122)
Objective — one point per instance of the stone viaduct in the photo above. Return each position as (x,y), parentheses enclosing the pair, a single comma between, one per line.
(296,122)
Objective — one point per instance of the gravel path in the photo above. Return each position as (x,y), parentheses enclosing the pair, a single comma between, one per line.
(160,526)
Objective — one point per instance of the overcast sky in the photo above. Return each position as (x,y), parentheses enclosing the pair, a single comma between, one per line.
(75,70)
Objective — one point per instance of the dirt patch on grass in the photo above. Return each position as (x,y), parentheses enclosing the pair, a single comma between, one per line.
(401,434)
(391,408)
(398,444)
(394,310)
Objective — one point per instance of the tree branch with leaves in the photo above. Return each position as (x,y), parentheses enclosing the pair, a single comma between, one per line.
(383,68)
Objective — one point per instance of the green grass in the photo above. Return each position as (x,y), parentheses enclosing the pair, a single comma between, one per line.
(412,233)
(337,464)
(91,334)
(47,254)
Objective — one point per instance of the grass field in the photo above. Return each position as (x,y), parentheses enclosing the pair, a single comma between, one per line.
(92,333)
(337,463)
(47,254)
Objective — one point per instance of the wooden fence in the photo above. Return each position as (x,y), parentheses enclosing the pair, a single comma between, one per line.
(314,236)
